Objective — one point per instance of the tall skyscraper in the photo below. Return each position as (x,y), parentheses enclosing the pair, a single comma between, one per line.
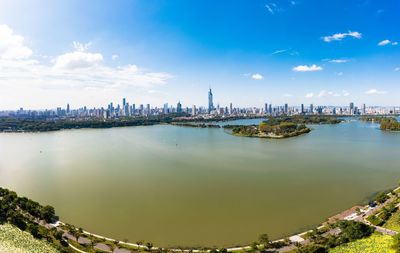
(270,109)
(194,110)
(165,108)
(311,108)
(133,109)
(266,108)
(210,101)
(286,108)
(68,109)
(302,109)
(148,109)
(123,102)
(126,109)
(364,111)
(351,107)
(179,107)
(141,109)
(230,108)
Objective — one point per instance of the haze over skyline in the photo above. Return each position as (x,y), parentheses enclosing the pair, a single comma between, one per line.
(94,52)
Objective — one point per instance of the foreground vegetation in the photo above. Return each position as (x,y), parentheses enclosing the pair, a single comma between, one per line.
(373,244)
(14,240)
(19,214)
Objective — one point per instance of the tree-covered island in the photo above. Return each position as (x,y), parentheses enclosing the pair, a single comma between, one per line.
(386,123)
(281,127)
(275,130)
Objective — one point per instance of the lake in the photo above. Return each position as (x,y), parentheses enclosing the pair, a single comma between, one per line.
(182,186)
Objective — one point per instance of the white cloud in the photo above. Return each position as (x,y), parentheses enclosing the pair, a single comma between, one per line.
(287,95)
(375,92)
(325,94)
(339,61)
(271,8)
(340,36)
(257,76)
(77,75)
(309,95)
(397,69)
(387,42)
(339,73)
(279,51)
(12,45)
(306,68)
(81,47)
(114,57)
(78,59)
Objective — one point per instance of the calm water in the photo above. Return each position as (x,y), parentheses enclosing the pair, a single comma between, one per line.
(190,186)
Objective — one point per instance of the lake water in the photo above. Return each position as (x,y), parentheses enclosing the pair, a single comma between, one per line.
(178,186)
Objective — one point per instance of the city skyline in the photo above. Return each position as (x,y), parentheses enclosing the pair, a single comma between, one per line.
(127,109)
(162,52)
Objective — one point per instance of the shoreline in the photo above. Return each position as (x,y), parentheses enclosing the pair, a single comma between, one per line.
(347,214)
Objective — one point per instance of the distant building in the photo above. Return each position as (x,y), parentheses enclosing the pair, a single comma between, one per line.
(311,108)
(194,110)
(165,108)
(302,109)
(68,109)
(148,109)
(351,108)
(210,101)
(179,107)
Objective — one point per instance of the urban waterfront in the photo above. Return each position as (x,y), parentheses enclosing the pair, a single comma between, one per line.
(177,186)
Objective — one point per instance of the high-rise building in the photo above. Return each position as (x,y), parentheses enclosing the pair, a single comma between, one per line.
(210,101)
(141,110)
(133,109)
(194,110)
(270,109)
(351,108)
(165,108)
(363,109)
(302,109)
(126,109)
(68,109)
(148,112)
(286,108)
(179,107)
(266,108)
(230,108)
(311,108)
(123,102)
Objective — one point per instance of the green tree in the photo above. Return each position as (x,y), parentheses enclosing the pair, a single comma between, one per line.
(48,213)
(264,240)
(396,243)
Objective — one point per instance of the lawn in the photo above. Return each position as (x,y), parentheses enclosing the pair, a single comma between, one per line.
(16,241)
(373,244)
(393,222)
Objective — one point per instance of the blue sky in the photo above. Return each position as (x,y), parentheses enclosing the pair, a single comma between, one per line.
(249,52)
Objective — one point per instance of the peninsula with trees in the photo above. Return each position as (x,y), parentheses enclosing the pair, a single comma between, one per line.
(281,127)
(386,123)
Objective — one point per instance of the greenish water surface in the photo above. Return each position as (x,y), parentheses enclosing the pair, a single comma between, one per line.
(182,186)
